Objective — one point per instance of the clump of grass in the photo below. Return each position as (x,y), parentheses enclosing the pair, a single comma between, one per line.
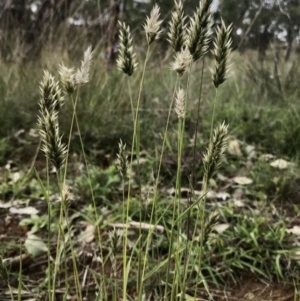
(189,46)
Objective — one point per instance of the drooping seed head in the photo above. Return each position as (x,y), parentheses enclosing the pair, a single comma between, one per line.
(198,30)
(176,32)
(214,156)
(82,74)
(67,78)
(221,51)
(181,61)
(152,25)
(180,103)
(126,61)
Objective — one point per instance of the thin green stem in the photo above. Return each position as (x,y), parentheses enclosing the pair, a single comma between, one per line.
(134,138)
(158,172)
(89,181)
(176,208)
(203,203)
(130,97)
(192,182)
(70,134)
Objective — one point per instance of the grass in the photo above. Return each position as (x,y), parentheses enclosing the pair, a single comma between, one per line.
(155,218)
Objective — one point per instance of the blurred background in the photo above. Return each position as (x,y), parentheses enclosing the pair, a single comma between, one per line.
(28,26)
(259,101)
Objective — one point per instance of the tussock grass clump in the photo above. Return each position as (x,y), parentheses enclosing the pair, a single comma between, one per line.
(144,242)
(189,46)
(161,243)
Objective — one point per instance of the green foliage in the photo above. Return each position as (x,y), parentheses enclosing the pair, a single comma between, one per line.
(104,183)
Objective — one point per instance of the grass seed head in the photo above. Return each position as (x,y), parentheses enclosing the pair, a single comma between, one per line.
(176,32)
(180,103)
(210,222)
(51,96)
(181,61)
(152,25)
(67,196)
(122,164)
(126,61)
(214,156)
(53,147)
(198,30)
(67,78)
(221,51)
(82,74)
(115,239)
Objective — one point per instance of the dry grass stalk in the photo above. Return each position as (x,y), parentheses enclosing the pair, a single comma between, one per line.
(221,51)
(82,74)
(176,32)
(182,61)
(215,154)
(126,61)
(152,25)
(199,30)
(180,103)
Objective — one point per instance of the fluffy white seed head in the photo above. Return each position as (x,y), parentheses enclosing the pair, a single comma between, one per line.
(126,61)
(181,61)
(82,74)
(152,25)
(67,78)
(180,103)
